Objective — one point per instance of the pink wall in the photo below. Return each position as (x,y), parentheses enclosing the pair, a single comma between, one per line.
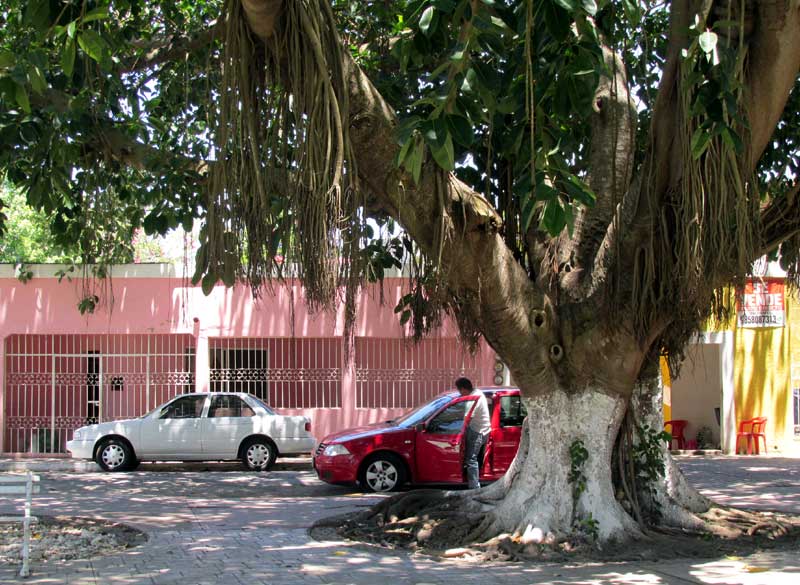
(152,299)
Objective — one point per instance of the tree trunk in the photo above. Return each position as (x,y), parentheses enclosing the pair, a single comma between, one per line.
(675,498)
(536,498)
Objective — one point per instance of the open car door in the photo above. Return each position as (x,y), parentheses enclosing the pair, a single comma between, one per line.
(439,444)
(507,418)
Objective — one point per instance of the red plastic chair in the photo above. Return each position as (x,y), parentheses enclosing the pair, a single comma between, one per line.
(676,430)
(752,430)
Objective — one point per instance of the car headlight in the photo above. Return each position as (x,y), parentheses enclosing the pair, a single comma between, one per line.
(332,450)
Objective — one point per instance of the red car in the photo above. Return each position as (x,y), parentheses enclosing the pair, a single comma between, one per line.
(422,446)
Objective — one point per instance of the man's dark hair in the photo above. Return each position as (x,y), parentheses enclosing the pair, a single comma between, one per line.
(464,384)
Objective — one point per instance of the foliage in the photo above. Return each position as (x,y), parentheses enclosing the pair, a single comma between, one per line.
(647,453)
(27,236)
(578,456)
(118,114)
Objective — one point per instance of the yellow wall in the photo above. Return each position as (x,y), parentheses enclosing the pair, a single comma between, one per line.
(667,384)
(794,342)
(762,378)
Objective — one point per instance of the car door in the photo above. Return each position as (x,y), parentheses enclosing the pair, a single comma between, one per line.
(230,419)
(507,418)
(174,431)
(437,444)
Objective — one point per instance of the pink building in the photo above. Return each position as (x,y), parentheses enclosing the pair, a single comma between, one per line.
(61,370)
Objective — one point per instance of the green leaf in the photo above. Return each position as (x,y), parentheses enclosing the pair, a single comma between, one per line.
(208,282)
(568,5)
(590,7)
(68,58)
(36,78)
(461,130)
(71,29)
(578,190)
(426,20)
(96,14)
(7,59)
(554,219)
(444,154)
(401,156)
(731,138)
(93,44)
(37,14)
(700,140)
(21,95)
(470,83)
(708,41)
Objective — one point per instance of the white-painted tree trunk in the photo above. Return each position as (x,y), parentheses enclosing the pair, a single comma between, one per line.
(535,498)
(677,500)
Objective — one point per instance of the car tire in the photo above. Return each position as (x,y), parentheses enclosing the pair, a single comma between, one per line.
(259,454)
(115,455)
(383,472)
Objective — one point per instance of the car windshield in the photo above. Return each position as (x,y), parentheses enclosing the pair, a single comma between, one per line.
(421,413)
(261,403)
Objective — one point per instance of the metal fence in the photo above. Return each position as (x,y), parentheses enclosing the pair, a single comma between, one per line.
(396,373)
(284,372)
(57,383)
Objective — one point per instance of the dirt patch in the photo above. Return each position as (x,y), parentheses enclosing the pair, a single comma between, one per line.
(736,533)
(62,538)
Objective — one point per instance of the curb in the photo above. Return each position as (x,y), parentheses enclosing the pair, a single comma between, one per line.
(74,465)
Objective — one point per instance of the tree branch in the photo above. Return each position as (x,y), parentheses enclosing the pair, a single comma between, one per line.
(774,64)
(780,220)
(613,141)
(171,48)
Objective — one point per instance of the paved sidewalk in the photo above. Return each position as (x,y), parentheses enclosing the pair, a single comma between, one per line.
(212,524)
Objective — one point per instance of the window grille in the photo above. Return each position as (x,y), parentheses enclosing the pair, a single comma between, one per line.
(283,372)
(396,373)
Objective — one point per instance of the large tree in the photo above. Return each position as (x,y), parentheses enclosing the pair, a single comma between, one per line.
(575,181)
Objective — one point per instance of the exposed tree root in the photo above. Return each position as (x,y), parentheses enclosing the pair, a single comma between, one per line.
(452,524)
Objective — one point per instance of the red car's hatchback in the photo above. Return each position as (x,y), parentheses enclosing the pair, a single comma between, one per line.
(422,446)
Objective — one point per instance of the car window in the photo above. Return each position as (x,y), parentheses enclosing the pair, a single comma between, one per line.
(451,420)
(261,403)
(422,412)
(226,405)
(512,411)
(184,407)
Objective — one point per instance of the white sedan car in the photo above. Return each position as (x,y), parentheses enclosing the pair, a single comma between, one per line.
(213,426)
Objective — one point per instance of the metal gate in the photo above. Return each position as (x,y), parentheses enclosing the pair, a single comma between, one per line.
(396,373)
(57,383)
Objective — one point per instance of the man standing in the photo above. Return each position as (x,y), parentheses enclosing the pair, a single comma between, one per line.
(477,431)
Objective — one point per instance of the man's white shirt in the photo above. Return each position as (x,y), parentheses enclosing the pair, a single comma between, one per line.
(480,422)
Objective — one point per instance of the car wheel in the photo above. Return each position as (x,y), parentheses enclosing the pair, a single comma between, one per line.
(115,455)
(382,473)
(259,454)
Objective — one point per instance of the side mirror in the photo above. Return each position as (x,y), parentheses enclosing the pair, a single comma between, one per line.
(420,427)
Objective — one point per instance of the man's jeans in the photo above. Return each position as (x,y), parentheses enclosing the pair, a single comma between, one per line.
(472,449)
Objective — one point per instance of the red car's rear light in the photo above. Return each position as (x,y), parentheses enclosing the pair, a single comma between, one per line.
(308,426)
